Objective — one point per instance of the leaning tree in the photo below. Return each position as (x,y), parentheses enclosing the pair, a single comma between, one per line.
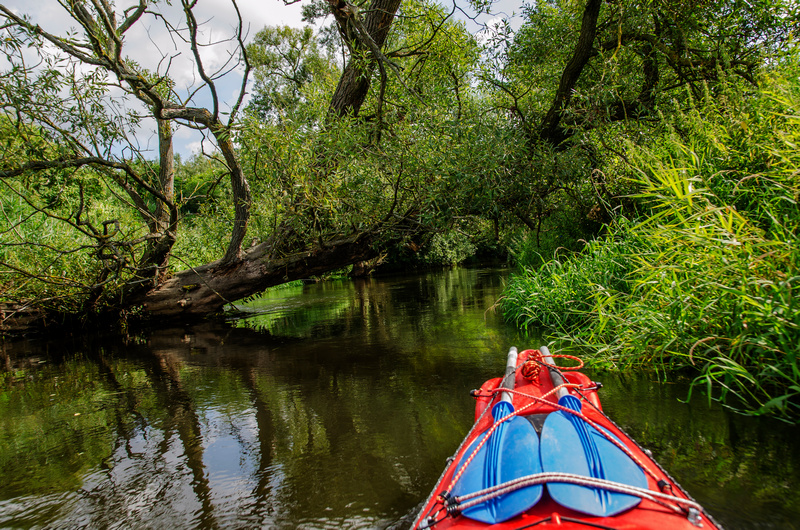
(580,81)
(90,217)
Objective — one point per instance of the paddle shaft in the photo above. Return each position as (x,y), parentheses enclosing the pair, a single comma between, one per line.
(555,375)
(508,378)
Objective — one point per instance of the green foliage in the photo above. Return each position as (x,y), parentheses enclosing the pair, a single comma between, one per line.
(449,249)
(204,237)
(557,293)
(436,54)
(286,62)
(41,254)
(648,60)
(318,176)
(198,181)
(706,280)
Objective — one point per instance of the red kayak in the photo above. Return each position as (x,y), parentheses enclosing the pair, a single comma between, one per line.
(543,454)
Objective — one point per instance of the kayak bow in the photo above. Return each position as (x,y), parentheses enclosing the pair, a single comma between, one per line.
(552,458)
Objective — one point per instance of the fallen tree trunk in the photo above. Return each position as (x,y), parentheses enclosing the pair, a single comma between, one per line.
(19,318)
(204,290)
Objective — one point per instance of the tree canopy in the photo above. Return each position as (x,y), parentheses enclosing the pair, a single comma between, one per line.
(390,130)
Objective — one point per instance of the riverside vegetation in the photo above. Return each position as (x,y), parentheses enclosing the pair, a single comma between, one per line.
(702,276)
(653,142)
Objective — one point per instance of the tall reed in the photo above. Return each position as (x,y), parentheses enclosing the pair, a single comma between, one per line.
(707,281)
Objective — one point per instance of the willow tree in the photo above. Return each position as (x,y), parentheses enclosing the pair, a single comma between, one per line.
(286,62)
(76,107)
(377,160)
(92,221)
(580,79)
(90,217)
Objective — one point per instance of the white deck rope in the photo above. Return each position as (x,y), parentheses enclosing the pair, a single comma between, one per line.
(464,502)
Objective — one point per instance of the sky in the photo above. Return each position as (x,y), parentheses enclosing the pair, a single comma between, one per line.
(258,13)
(149,44)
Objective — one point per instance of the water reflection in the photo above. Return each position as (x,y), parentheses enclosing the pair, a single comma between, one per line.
(327,406)
(744,470)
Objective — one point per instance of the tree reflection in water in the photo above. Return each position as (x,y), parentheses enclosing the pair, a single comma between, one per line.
(327,405)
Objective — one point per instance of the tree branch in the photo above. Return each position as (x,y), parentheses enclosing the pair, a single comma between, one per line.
(550,130)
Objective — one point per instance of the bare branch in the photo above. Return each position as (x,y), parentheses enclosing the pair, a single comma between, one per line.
(131,19)
(193,29)
(247,67)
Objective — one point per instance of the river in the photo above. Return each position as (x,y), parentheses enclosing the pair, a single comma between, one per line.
(329,405)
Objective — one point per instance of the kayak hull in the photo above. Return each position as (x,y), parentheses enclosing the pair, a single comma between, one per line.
(657,502)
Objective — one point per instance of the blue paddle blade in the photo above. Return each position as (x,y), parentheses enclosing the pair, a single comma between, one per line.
(511,452)
(570,445)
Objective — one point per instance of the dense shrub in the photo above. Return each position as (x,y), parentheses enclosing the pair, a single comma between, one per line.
(707,279)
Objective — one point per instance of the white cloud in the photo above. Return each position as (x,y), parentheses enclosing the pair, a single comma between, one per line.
(257,13)
(194,147)
(150,45)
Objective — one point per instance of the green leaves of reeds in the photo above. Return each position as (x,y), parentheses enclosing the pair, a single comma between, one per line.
(559,294)
(707,281)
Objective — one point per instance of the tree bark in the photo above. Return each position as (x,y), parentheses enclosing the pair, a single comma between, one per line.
(207,289)
(164,223)
(239,185)
(551,129)
(354,84)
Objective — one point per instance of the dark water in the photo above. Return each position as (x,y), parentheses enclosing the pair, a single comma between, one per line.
(332,405)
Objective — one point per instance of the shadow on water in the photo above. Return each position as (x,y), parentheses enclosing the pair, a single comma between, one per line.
(331,405)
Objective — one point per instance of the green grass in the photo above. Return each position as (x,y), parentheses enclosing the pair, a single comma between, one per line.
(705,283)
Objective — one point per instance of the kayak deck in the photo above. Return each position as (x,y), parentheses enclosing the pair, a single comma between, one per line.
(658,502)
